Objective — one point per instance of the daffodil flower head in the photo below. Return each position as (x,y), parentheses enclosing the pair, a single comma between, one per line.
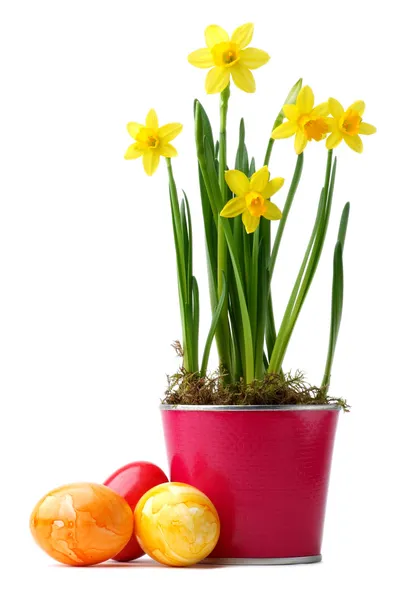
(152,141)
(347,125)
(229,57)
(305,121)
(252,197)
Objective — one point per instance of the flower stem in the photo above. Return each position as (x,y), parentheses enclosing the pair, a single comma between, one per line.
(272,254)
(306,271)
(224,336)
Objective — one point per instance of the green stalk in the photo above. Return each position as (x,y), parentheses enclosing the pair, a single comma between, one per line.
(266,225)
(224,346)
(195,319)
(261,317)
(307,270)
(207,166)
(288,204)
(184,276)
(254,284)
(215,320)
(223,109)
(271,330)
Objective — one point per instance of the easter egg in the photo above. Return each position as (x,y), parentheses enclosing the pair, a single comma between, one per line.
(131,482)
(82,523)
(176,524)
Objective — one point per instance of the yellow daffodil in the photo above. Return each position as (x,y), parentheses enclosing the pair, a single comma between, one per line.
(305,122)
(229,56)
(252,197)
(347,125)
(152,141)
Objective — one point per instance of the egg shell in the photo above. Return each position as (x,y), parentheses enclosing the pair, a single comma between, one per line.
(82,523)
(176,524)
(131,482)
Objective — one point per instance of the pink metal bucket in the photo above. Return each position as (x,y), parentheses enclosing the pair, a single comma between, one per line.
(266,469)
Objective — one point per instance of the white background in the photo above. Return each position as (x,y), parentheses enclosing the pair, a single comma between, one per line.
(87,273)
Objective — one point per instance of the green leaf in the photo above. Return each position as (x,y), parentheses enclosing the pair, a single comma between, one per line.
(336,311)
(189,238)
(215,321)
(337,290)
(247,260)
(337,296)
(307,270)
(288,205)
(254,290)
(343,224)
(182,289)
(241,159)
(196,319)
(209,176)
(271,328)
(187,249)
(211,241)
(202,121)
(261,315)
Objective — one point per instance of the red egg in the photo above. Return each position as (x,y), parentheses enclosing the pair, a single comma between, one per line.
(132,482)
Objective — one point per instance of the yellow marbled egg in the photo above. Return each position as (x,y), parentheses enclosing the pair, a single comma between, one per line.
(82,524)
(176,524)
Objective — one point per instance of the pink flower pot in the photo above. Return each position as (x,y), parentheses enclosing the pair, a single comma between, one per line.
(266,469)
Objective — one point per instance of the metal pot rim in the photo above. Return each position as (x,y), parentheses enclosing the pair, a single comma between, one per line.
(251,407)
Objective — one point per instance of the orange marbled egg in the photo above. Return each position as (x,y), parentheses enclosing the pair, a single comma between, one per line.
(176,524)
(82,523)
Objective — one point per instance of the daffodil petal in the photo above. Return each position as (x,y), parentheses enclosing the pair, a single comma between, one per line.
(358,106)
(216,80)
(144,134)
(215,35)
(133,129)
(272,187)
(305,100)
(233,208)
(202,58)
(150,160)
(168,132)
(291,112)
(152,120)
(354,142)
(243,78)
(300,142)
(367,129)
(273,212)
(334,139)
(322,110)
(243,35)
(167,150)
(133,152)
(259,180)
(253,58)
(333,124)
(237,182)
(284,130)
(335,108)
(250,223)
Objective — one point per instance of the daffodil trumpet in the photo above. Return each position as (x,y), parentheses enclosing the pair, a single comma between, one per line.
(240,203)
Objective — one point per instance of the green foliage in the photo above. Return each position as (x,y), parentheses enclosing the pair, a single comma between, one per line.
(240,271)
(337,295)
